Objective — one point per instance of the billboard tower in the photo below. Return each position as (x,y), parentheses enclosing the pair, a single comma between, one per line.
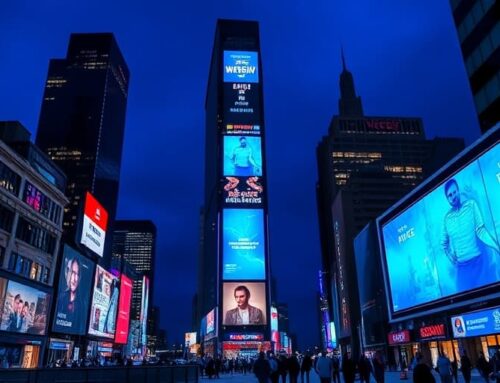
(235,271)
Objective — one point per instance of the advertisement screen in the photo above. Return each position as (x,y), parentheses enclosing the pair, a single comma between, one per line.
(144,312)
(73,297)
(242,156)
(122,321)
(242,129)
(24,308)
(244,303)
(243,191)
(104,304)
(95,222)
(274,318)
(240,66)
(478,323)
(244,245)
(434,247)
(189,339)
(241,106)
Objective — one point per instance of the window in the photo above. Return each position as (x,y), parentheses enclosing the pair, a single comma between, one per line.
(41,203)
(9,180)
(2,255)
(6,218)
(35,236)
(27,268)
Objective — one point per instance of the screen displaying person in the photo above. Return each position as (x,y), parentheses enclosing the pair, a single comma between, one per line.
(463,230)
(244,313)
(15,316)
(70,305)
(243,161)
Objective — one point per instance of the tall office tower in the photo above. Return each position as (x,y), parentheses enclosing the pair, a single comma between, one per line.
(135,242)
(365,164)
(235,255)
(82,120)
(478,27)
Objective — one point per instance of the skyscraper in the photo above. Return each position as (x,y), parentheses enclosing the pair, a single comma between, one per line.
(235,258)
(478,27)
(82,120)
(365,164)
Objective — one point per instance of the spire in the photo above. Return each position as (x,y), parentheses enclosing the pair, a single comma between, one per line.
(344,67)
(349,104)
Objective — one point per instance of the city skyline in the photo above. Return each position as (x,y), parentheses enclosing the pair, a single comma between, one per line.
(301,75)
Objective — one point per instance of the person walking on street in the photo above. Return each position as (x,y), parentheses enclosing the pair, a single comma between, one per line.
(324,368)
(466,367)
(365,368)
(262,369)
(454,370)
(495,367)
(336,369)
(444,368)
(273,363)
(293,368)
(483,367)
(379,367)
(348,368)
(422,373)
(283,368)
(305,368)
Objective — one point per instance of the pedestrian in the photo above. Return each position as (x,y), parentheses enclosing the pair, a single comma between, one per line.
(210,369)
(483,367)
(365,368)
(466,367)
(495,367)
(273,363)
(336,369)
(444,368)
(348,368)
(454,370)
(324,368)
(305,368)
(293,368)
(379,367)
(283,368)
(422,373)
(262,369)
(217,365)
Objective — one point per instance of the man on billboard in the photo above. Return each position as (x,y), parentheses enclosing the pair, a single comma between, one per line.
(243,161)
(463,227)
(15,318)
(70,302)
(244,313)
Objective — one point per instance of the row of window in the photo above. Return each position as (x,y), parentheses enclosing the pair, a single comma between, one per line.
(27,268)
(41,203)
(488,93)
(35,236)
(9,180)
(6,218)
(473,17)
(490,43)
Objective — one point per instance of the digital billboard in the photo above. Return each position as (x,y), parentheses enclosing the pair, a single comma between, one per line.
(189,339)
(479,323)
(242,129)
(122,320)
(243,191)
(24,308)
(242,156)
(434,246)
(241,107)
(243,244)
(104,304)
(244,303)
(95,222)
(144,312)
(241,66)
(73,297)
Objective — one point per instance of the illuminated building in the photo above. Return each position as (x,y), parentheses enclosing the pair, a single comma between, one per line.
(365,164)
(31,215)
(478,29)
(82,121)
(233,239)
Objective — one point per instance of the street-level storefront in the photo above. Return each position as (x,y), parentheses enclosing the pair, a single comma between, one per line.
(435,338)
(21,352)
(403,349)
(59,349)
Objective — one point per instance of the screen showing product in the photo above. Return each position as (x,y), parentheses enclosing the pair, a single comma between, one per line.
(244,304)
(122,320)
(95,223)
(447,242)
(24,308)
(73,297)
(477,323)
(104,304)
(242,156)
(241,66)
(244,245)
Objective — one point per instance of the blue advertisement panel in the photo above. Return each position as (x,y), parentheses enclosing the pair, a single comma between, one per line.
(435,246)
(240,66)
(244,247)
(242,156)
(478,323)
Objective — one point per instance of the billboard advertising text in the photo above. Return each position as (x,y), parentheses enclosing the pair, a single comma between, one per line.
(122,320)
(241,66)
(95,222)
(104,304)
(244,303)
(24,308)
(73,297)
(447,242)
(478,323)
(242,130)
(242,109)
(242,156)
(243,191)
(244,247)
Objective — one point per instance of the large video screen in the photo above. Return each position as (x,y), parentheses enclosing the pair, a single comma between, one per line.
(241,66)
(244,304)
(447,242)
(122,320)
(144,311)
(243,192)
(104,304)
(244,244)
(24,308)
(242,156)
(94,225)
(73,297)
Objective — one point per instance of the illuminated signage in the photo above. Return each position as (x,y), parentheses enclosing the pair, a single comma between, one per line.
(242,129)
(249,345)
(244,337)
(274,318)
(104,304)
(478,323)
(144,312)
(189,339)
(433,331)
(240,66)
(383,125)
(250,294)
(95,221)
(243,191)
(242,156)
(122,322)
(399,337)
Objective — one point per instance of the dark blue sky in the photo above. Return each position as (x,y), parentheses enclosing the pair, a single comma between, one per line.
(405,58)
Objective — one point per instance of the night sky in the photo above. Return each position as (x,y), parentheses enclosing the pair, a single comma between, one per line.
(404,56)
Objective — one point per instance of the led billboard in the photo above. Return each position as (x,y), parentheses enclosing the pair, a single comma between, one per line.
(189,339)
(144,312)
(242,156)
(24,309)
(243,244)
(104,304)
(242,129)
(243,191)
(434,245)
(73,297)
(95,222)
(479,323)
(241,107)
(244,303)
(122,320)
(241,66)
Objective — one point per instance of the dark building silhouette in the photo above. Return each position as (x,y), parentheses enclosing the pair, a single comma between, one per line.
(82,121)
(478,28)
(365,164)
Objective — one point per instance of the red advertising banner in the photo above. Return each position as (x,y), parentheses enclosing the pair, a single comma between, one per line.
(433,331)
(399,337)
(95,211)
(122,325)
